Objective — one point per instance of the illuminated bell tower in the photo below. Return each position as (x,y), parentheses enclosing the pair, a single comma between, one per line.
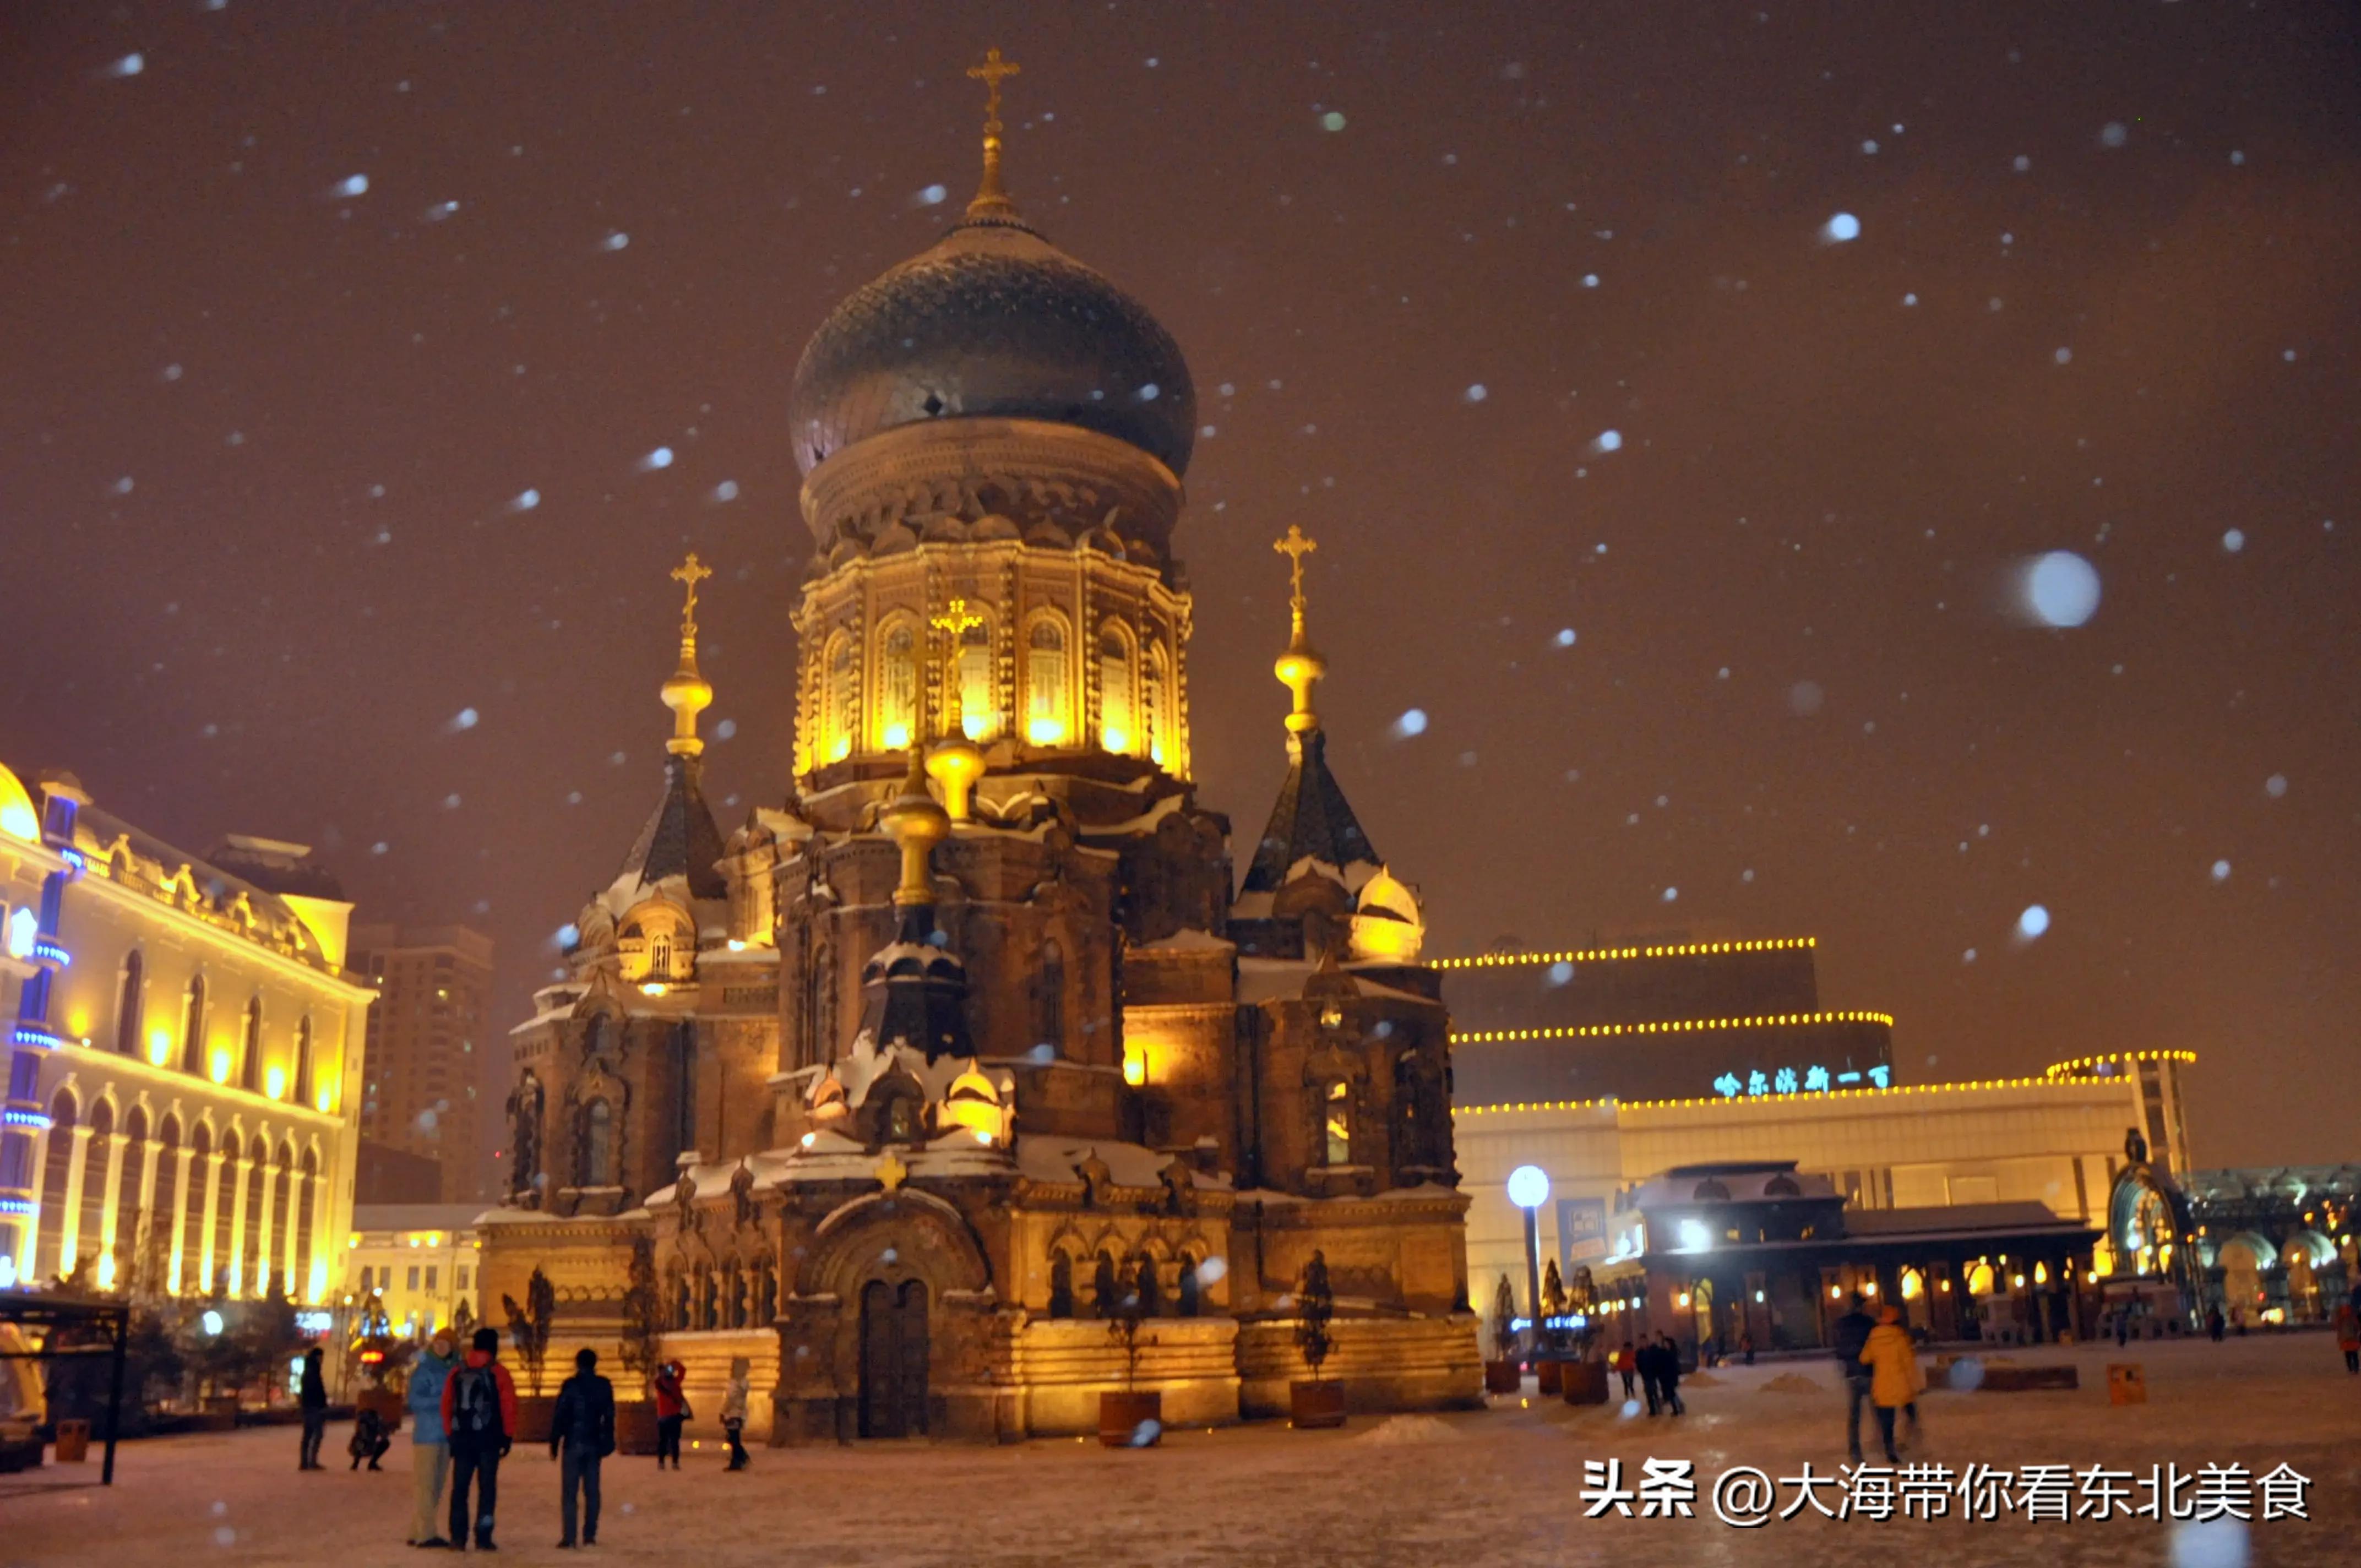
(993,437)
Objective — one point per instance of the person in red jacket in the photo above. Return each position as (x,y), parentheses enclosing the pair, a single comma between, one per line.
(672,1411)
(479,1412)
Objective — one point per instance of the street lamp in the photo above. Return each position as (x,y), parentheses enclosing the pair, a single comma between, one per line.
(1529,1190)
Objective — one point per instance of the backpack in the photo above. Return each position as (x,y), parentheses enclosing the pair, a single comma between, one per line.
(476,1404)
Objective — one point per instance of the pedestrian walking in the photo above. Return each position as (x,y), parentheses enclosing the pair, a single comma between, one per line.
(2123,1326)
(480,1416)
(313,1399)
(1849,1338)
(1668,1375)
(369,1439)
(430,1452)
(581,1433)
(1626,1367)
(733,1410)
(1894,1379)
(672,1411)
(2349,1334)
(2213,1323)
(1746,1347)
(1645,1359)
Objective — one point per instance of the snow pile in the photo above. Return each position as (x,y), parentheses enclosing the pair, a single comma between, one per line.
(1790,1383)
(1398,1431)
(1702,1380)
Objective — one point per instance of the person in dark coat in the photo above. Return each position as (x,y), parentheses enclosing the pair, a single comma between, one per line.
(1644,1361)
(583,1427)
(479,1413)
(370,1440)
(313,1398)
(1668,1374)
(1851,1332)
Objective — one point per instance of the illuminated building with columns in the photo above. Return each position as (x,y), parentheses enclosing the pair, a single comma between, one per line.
(901,1086)
(183,1054)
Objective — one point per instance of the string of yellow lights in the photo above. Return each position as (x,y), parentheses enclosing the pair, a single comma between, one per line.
(1675,1026)
(1596,955)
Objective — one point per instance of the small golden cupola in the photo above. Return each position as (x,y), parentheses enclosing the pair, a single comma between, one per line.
(687,693)
(1301,666)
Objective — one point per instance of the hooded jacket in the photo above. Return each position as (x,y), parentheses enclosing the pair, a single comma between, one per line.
(507,1387)
(1893,1363)
(427,1375)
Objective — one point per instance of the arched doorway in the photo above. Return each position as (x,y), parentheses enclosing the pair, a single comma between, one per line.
(2243,1260)
(894,1359)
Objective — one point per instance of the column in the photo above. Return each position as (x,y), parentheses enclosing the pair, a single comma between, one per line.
(327,1248)
(261,1260)
(177,1218)
(144,1205)
(206,1264)
(70,1233)
(296,1288)
(243,1166)
(111,1272)
(28,1231)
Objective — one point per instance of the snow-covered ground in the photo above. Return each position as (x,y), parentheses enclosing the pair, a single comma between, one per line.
(1493,1487)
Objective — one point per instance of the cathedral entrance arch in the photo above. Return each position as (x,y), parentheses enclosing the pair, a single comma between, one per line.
(894,1352)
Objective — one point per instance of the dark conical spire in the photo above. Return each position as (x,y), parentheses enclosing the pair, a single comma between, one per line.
(680,838)
(1312,819)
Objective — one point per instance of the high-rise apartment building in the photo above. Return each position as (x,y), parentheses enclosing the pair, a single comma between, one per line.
(423,1089)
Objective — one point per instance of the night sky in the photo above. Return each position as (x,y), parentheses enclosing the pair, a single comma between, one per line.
(333,513)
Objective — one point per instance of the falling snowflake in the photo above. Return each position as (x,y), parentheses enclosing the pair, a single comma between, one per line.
(2221,870)
(526,500)
(660,458)
(2276,786)
(2032,922)
(616,240)
(2234,541)
(1476,392)
(1565,637)
(2114,134)
(464,719)
(350,185)
(1332,121)
(2059,588)
(1840,228)
(129,65)
(1607,440)
(1412,722)
(727,490)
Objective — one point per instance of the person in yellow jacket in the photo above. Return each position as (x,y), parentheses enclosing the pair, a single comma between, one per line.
(1895,1380)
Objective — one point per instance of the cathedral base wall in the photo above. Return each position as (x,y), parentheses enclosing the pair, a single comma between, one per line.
(1386,1364)
(705,1354)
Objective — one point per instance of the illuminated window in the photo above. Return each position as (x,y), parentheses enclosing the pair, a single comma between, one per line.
(840,699)
(1045,720)
(979,707)
(897,689)
(127,1003)
(660,953)
(1050,997)
(1980,1278)
(1190,1291)
(303,1060)
(1061,1285)
(249,1048)
(595,1161)
(1156,705)
(193,1027)
(1118,731)
(1339,1123)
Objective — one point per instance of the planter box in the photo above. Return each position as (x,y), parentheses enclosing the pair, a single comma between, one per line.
(221,1413)
(1131,1421)
(1316,1404)
(1503,1376)
(535,1415)
(72,1442)
(1583,1382)
(1551,1376)
(635,1426)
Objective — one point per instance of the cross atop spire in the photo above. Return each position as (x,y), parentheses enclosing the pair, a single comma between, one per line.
(690,572)
(1299,666)
(991,197)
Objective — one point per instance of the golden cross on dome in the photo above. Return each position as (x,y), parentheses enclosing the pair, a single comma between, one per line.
(891,1172)
(955,618)
(690,572)
(1295,547)
(989,196)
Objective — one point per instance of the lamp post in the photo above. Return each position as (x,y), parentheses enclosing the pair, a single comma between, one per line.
(1528,1188)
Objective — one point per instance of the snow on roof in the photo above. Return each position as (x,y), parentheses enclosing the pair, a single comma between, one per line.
(1188,939)
(1128,1165)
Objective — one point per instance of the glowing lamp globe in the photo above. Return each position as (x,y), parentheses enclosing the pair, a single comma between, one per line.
(1528,1187)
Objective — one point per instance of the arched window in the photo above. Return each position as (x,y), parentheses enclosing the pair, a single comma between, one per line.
(596,1167)
(304,1095)
(1710,1191)
(1191,1292)
(1336,1111)
(257,1195)
(897,685)
(684,1303)
(733,1290)
(98,1157)
(128,994)
(840,702)
(1155,704)
(1050,997)
(1144,1282)
(224,1215)
(1061,1285)
(1410,1112)
(819,1004)
(1047,704)
(164,1211)
(193,1209)
(249,1048)
(1118,730)
(979,703)
(766,1296)
(305,1219)
(282,1209)
(1105,1286)
(193,1027)
(599,1036)
(659,951)
(1781,1187)
(49,1262)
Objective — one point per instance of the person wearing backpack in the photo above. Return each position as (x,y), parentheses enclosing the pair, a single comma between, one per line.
(480,1415)
(584,1423)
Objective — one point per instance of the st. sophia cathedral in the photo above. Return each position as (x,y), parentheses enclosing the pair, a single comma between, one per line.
(903,1083)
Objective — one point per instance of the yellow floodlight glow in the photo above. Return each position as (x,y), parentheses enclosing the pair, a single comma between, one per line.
(1115,738)
(327,1099)
(220,1070)
(1044,729)
(160,1046)
(274,1083)
(897,737)
(1135,1066)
